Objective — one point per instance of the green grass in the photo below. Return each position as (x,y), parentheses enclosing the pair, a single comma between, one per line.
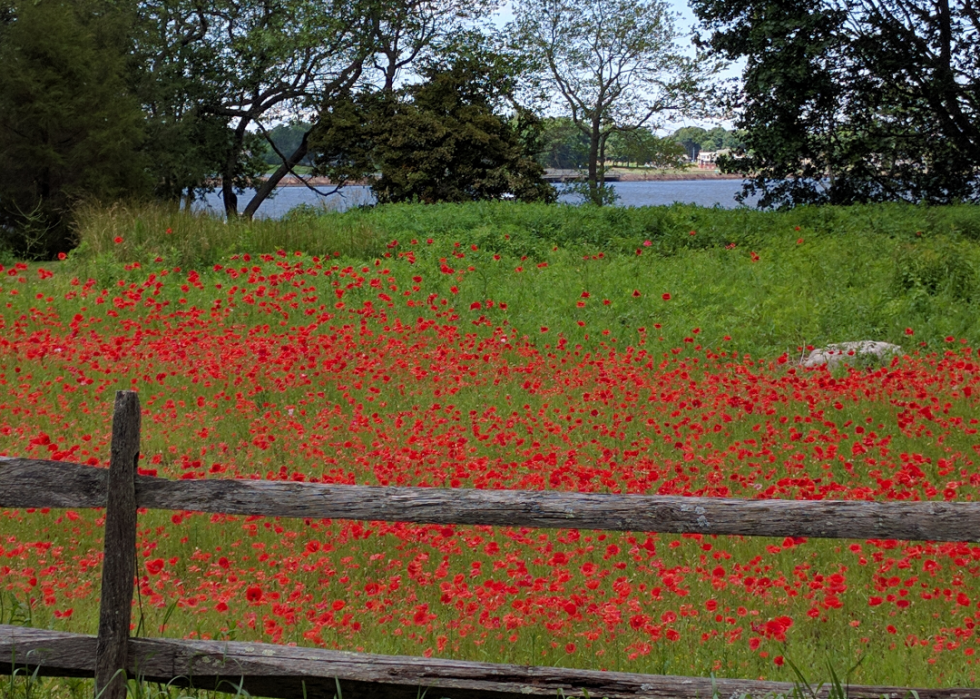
(771,282)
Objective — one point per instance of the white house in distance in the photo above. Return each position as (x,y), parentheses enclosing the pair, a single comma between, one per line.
(707,158)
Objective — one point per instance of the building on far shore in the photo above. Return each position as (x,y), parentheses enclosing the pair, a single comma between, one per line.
(707,158)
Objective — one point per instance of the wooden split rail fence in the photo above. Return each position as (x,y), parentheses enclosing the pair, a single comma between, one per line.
(295,673)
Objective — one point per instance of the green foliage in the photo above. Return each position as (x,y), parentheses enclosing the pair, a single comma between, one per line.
(286,138)
(193,240)
(854,102)
(173,73)
(211,72)
(439,140)
(592,193)
(838,686)
(694,139)
(563,145)
(773,282)
(185,154)
(69,128)
(533,230)
(719,138)
(937,265)
(690,138)
(643,147)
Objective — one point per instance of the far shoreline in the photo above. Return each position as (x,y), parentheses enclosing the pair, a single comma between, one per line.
(631,176)
(623,176)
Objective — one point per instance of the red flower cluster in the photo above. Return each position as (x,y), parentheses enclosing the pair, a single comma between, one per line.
(288,368)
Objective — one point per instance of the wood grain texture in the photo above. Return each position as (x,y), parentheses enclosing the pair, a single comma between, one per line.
(281,671)
(937,521)
(119,561)
(25,483)
(42,483)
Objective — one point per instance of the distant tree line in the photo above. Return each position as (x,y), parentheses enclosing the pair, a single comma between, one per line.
(841,100)
(562,146)
(286,138)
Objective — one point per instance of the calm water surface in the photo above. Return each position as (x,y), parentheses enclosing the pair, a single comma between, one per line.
(660,193)
(663,193)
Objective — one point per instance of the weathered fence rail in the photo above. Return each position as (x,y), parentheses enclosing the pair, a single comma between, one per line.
(37,483)
(295,673)
(287,671)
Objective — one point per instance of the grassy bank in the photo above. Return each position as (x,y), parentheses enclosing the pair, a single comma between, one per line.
(759,282)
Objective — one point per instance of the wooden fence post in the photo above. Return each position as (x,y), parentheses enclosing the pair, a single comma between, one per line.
(119,559)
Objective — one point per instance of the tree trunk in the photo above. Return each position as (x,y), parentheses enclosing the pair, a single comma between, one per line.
(602,160)
(266,189)
(391,71)
(950,90)
(594,161)
(228,176)
(228,195)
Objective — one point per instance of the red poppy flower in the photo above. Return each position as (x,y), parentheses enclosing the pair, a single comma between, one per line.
(155,566)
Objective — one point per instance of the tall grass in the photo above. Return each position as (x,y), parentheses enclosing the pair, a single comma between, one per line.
(199,239)
(759,282)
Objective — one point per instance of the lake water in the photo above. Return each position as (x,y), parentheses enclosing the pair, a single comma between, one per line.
(665,192)
(655,193)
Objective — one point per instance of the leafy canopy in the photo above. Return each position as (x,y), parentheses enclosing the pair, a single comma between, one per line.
(70,129)
(851,101)
(443,139)
(214,73)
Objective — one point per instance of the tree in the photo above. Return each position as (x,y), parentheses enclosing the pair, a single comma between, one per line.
(720,138)
(614,65)
(227,66)
(854,100)
(69,128)
(443,139)
(285,138)
(645,148)
(694,139)
(174,76)
(408,30)
(690,137)
(563,145)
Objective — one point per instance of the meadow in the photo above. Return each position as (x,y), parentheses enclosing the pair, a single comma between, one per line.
(505,346)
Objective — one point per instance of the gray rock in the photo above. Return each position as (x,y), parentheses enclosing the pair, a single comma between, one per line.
(862,352)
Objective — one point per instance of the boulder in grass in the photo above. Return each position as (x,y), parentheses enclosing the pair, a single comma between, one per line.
(861,353)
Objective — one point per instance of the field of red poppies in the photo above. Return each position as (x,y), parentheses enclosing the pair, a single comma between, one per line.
(390,371)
